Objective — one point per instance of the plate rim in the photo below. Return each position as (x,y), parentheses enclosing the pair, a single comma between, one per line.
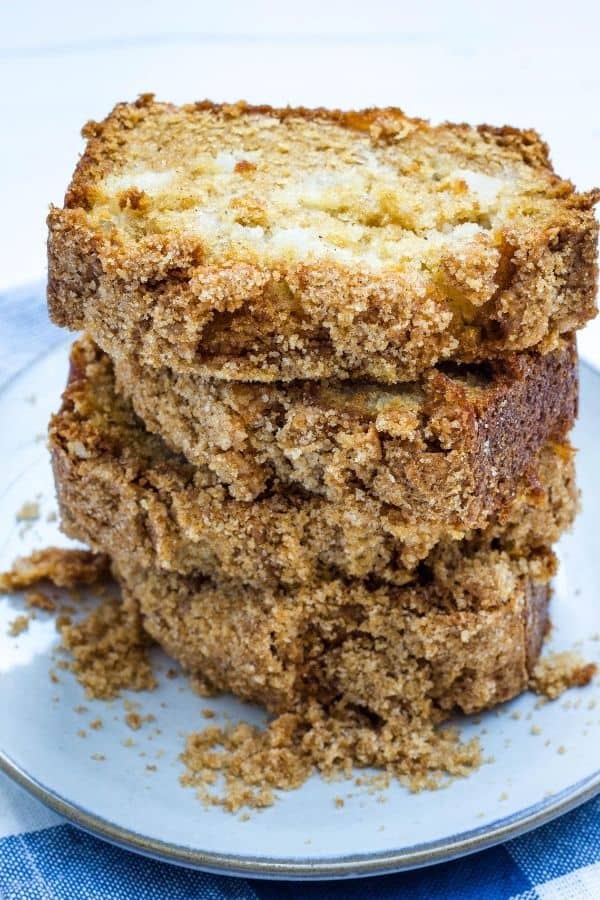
(303,868)
(327,868)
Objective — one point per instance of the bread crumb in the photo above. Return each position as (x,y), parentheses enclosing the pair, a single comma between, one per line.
(554,674)
(535,729)
(82,733)
(96,724)
(208,713)
(373,783)
(98,756)
(110,651)
(51,517)
(339,802)
(63,567)
(562,749)
(135,721)
(18,626)
(201,686)
(255,763)
(39,600)
(29,512)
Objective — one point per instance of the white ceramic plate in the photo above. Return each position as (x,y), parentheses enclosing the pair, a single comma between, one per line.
(545,759)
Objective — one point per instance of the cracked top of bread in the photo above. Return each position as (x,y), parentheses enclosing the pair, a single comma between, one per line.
(266,243)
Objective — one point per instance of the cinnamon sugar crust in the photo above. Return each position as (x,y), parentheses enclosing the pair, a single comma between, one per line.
(420,650)
(123,491)
(449,446)
(256,244)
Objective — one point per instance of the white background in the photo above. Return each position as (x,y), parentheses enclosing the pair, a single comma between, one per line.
(61,63)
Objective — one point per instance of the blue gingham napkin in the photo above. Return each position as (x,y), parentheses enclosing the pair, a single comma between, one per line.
(44,858)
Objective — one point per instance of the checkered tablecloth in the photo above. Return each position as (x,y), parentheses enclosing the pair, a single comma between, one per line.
(44,858)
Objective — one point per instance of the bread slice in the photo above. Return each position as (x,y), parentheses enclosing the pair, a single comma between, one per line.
(260,244)
(449,447)
(412,651)
(123,491)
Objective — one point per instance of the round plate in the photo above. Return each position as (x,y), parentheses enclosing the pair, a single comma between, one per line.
(124,786)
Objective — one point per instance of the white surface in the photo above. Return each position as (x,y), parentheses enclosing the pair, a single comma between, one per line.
(61,63)
(39,733)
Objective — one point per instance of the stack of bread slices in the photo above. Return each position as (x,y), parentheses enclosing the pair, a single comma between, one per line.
(319,416)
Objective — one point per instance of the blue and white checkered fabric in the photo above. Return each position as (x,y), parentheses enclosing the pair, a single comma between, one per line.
(42,858)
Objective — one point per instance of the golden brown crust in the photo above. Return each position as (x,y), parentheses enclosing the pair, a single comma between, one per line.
(129,278)
(405,651)
(121,489)
(448,447)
